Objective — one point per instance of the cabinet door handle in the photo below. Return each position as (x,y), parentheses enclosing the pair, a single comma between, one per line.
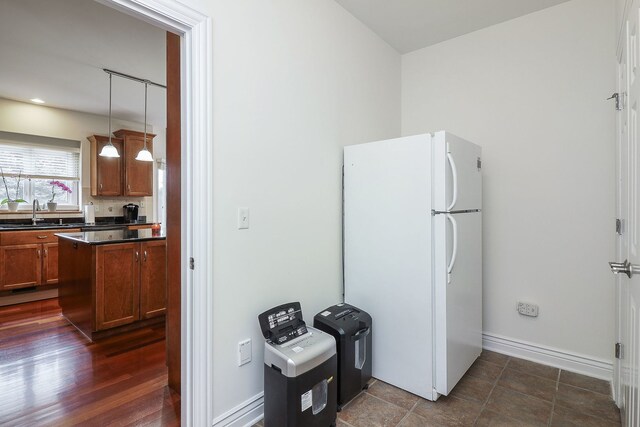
(38,253)
(42,237)
(101,187)
(46,251)
(137,256)
(129,187)
(145,256)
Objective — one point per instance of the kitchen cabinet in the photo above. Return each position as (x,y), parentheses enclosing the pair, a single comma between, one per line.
(121,284)
(29,258)
(124,175)
(153,279)
(138,175)
(106,172)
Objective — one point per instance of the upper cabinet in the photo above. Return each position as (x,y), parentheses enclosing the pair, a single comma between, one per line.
(106,172)
(124,175)
(138,175)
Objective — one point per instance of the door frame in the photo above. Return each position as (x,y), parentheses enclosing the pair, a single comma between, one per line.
(195,29)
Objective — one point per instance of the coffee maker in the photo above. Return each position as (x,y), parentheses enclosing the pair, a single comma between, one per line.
(130,213)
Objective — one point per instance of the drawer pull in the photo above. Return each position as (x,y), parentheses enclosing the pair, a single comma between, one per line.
(42,237)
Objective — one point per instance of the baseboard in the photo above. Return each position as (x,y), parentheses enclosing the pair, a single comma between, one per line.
(581,364)
(245,414)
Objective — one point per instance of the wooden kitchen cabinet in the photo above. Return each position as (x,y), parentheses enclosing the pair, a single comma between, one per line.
(117,298)
(106,172)
(29,258)
(138,175)
(108,287)
(22,266)
(153,279)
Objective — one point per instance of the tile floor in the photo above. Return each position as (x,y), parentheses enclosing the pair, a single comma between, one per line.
(497,390)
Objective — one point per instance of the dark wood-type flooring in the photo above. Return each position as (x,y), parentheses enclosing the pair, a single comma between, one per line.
(497,390)
(51,375)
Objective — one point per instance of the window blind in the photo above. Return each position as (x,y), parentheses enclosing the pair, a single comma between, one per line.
(44,162)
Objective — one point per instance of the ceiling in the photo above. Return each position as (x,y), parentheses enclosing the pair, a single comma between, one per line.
(56,50)
(408,25)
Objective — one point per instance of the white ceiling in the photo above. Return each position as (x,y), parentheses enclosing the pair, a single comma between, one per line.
(408,25)
(55,50)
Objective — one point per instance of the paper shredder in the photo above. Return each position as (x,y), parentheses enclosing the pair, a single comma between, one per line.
(351,328)
(300,370)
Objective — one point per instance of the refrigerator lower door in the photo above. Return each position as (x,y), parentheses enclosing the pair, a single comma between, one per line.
(458,296)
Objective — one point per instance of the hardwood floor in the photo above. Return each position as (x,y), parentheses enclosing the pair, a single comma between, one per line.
(51,375)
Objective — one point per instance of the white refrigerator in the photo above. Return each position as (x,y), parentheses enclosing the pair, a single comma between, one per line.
(413,256)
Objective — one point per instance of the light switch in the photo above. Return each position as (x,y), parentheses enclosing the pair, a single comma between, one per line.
(244,352)
(243,218)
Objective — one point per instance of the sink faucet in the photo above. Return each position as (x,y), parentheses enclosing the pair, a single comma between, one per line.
(36,208)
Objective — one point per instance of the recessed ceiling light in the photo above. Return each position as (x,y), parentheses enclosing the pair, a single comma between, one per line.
(37,101)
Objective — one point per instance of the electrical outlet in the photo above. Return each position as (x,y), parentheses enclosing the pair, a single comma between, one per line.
(527,309)
(244,352)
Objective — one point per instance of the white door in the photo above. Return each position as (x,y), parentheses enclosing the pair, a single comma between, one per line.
(629,208)
(387,255)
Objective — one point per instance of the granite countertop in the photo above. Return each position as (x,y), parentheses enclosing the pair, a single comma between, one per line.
(81,225)
(113,236)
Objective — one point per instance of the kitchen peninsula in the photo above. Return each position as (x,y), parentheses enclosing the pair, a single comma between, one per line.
(112,281)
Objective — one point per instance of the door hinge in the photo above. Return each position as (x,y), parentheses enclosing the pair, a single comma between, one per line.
(479,163)
(618,226)
(618,99)
(192,263)
(619,354)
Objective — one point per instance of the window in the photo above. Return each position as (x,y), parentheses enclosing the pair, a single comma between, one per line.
(38,161)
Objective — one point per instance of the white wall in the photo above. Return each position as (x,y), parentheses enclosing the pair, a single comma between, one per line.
(294,81)
(531,92)
(31,119)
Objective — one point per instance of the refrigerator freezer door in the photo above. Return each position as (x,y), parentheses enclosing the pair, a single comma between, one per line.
(458,296)
(387,255)
(457,173)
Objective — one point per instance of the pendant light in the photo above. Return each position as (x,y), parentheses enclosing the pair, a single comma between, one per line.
(144,154)
(109,150)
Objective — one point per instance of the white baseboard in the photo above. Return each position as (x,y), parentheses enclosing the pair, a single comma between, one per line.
(581,364)
(245,414)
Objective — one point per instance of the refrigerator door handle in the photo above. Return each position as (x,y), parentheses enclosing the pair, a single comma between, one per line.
(454,252)
(454,176)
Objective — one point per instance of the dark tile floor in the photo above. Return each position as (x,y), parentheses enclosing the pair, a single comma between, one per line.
(497,390)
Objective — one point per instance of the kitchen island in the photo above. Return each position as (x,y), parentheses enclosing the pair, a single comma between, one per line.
(112,281)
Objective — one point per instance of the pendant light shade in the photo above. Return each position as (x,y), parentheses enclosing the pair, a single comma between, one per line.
(145,155)
(109,150)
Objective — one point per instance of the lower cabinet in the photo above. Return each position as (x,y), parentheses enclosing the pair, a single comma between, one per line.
(130,283)
(29,258)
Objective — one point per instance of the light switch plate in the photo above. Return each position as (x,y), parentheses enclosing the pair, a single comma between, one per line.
(243,218)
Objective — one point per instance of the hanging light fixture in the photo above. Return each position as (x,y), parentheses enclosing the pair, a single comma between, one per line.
(109,150)
(144,154)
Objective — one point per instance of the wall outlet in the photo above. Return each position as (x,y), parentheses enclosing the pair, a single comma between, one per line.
(527,309)
(244,352)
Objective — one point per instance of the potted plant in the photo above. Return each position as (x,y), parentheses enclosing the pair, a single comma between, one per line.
(11,202)
(51,205)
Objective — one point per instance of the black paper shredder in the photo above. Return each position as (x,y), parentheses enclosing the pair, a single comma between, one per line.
(300,370)
(351,327)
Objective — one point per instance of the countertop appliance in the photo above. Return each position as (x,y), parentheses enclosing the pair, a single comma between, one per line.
(299,370)
(351,328)
(130,213)
(413,256)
